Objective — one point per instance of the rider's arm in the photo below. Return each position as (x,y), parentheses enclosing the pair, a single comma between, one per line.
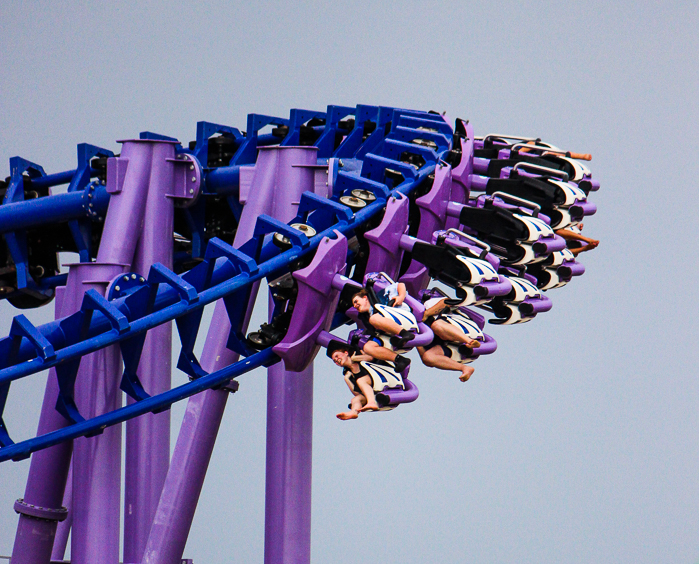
(359,357)
(402,291)
(350,385)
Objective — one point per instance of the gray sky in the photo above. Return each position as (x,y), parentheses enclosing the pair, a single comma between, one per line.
(576,441)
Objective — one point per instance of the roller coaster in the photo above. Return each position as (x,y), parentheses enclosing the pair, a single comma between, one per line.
(318,205)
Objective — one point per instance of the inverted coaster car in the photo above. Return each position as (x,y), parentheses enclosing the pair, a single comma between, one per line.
(556,271)
(518,234)
(523,302)
(465,320)
(493,153)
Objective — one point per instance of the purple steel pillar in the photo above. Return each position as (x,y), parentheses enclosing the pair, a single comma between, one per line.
(289,465)
(148,436)
(289,429)
(276,189)
(127,181)
(46,482)
(190,459)
(97,460)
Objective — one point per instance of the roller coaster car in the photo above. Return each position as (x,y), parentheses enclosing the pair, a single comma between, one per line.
(454,266)
(559,200)
(461,321)
(467,321)
(403,316)
(521,304)
(518,238)
(504,154)
(576,171)
(569,164)
(390,386)
(556,271)
(384,377)
(470,270)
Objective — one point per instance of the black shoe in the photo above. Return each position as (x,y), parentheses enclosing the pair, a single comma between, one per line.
(407,335)
(396,342)
(401,363)
(399,341)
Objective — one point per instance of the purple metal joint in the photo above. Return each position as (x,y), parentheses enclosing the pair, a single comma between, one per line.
(43,513)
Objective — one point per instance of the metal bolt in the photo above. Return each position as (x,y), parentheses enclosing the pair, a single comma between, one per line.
(141,279)
(191,190)
(194,178)
(103,183)
(133,277)
(89,195)
(191,167)
(126,278)
(117,288)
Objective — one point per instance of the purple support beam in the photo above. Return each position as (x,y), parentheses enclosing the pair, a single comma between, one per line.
(148,436)
(281,175)
(97,460)
(289,464)
(190,459)
(48,473)
(128,178)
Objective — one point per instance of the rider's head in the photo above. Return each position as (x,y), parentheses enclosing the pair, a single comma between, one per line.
(340,353)
(361,301)
(341,357)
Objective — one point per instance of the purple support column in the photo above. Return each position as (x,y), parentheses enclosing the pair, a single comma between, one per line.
(276,189)
(289,466)
(97,460)
(190,459)
(148,436)
(47,478)
(128,178)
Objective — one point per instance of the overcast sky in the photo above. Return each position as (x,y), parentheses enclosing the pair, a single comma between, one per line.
(577,441)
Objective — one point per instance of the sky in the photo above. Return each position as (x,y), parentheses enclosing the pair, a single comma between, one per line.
(576,441)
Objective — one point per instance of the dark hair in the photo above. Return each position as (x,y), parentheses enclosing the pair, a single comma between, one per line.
(361,294)
(335,345)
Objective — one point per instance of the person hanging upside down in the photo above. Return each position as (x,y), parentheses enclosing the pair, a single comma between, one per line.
(574,238)
(373,346)
(357,378)
(437,354)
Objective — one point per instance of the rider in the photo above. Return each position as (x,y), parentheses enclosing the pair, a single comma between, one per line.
(357,378)
(373,347)
(437,354)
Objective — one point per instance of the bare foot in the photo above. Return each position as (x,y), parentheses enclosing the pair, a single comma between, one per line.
(473,344)
(346,415)
(370,407)
(466,372)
